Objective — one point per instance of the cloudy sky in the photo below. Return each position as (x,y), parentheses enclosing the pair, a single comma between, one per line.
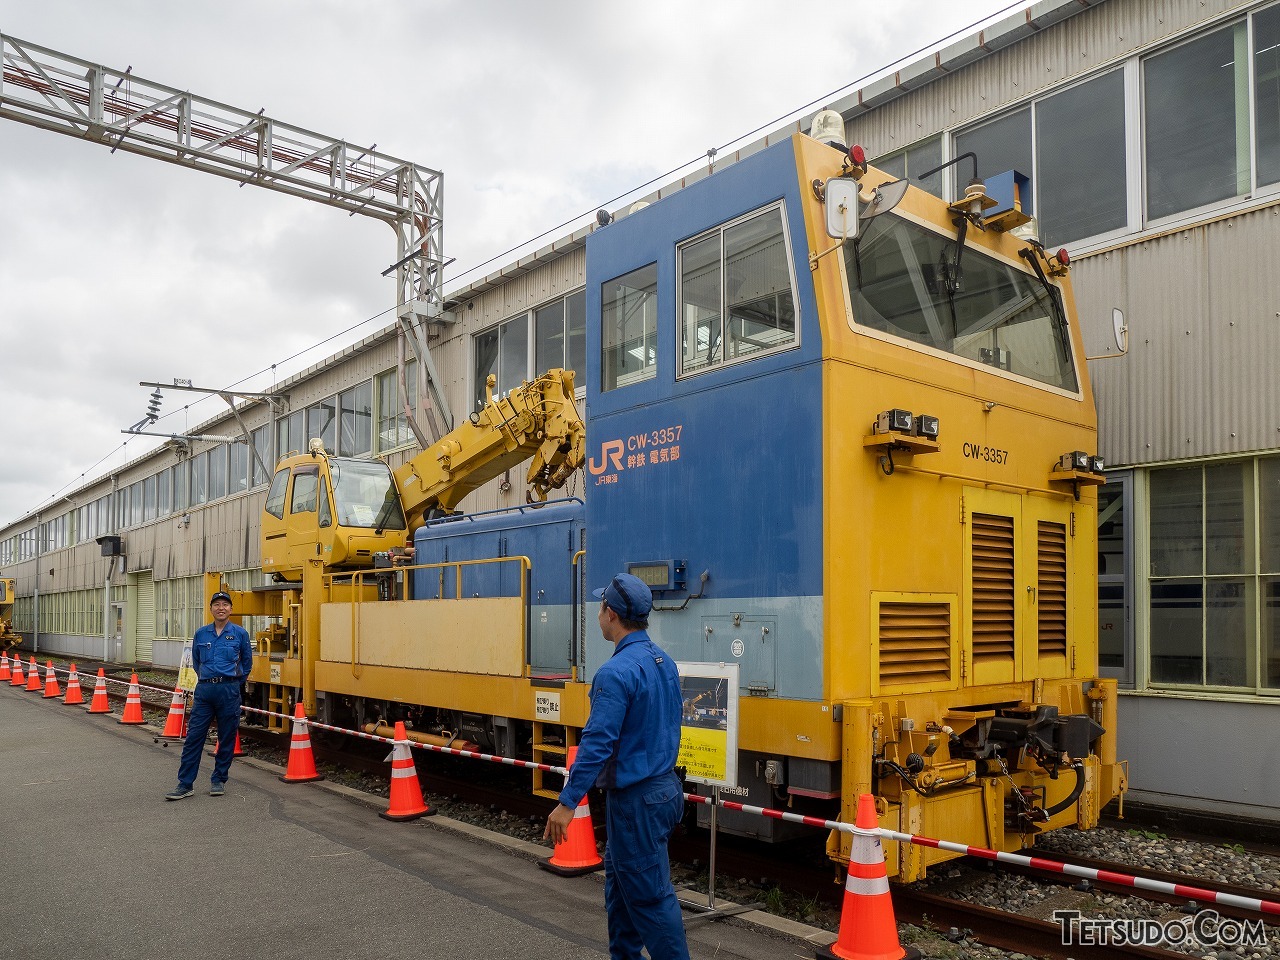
(116,269)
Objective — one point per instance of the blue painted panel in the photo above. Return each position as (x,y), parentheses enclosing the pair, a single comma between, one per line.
(739,493)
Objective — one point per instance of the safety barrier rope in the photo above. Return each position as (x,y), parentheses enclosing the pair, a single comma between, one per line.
(1036,863)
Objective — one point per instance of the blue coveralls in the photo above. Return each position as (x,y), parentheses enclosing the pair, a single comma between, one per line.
(222,662)
(629,748)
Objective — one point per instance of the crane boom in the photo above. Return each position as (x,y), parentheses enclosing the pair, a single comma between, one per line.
(537,420)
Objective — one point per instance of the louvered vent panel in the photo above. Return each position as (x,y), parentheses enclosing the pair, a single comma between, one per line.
(915,643)
(1051,589)
(992,588)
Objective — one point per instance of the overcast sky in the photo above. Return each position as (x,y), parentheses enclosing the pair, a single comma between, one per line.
(116,269)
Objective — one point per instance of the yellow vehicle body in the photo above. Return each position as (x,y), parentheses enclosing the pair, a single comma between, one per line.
(7,637)
(957,675)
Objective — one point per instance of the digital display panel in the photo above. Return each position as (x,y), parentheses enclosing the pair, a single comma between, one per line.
(656,576)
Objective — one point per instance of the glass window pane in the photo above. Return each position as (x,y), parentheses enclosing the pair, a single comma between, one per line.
(165,493)
(199,478)
(276,495)
(1176,628)
(700,303)
(1001,145)
(913,161)
(238,472)
(1228,626)
(182,485)
(548,332)
(149,498)
(357,420)
(1271,631)
(1111,576)
(1228,543)
(388,433)
(1269,501)
(263,449)
(575,306)
(1197,124)
(322,422)
(999,316)
(1176,516)
(135,504)
(1266,72)
(761,307)
(513,362)
(1080,176)
(305,482)
(486,362)
(218,472)
(629,328)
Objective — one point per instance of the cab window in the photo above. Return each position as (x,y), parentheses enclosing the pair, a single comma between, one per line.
(275,496)
(629,328)
(304,491)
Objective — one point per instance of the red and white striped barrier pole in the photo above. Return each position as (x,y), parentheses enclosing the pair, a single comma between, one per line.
(1036,863)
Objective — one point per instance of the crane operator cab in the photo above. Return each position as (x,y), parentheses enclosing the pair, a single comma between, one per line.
(331,509)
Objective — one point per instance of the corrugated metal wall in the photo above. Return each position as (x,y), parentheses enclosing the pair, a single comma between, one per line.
(1203,309)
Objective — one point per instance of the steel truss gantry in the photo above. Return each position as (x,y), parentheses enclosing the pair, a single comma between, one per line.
(122,111)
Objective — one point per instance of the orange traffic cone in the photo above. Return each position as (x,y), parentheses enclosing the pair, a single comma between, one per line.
(51,688)
(302,764)
(237,752)
(5,672)
(576,854)
(74,695)
(175,724)
(18,679)
(33,676)
(867,928)
(133,703)
(99,703)
(406,795)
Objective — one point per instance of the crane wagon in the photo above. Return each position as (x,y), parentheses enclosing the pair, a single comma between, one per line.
(843,429)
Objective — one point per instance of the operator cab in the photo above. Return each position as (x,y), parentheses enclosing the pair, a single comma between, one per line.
(332,509)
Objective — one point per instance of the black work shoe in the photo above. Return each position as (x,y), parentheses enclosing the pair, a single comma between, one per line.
(179,792)
(216,789)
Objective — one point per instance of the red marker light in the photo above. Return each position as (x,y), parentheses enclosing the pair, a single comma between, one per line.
(857,154)
(1062,257)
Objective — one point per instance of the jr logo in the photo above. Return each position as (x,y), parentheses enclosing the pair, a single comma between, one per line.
(611,454)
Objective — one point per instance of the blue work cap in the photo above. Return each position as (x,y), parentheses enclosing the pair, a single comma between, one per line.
(219,596)
(627,596)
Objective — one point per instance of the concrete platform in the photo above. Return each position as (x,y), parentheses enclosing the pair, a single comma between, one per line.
(96,863)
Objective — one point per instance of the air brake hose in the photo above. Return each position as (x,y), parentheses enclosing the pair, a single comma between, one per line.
(1078,769)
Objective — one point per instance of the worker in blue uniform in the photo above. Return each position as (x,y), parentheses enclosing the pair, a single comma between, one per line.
(222,657)
(629,748)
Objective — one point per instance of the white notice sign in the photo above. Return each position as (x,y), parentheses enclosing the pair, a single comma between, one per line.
(546,705)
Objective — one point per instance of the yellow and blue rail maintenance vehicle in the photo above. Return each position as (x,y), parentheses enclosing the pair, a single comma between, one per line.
(845,431)
(7,637)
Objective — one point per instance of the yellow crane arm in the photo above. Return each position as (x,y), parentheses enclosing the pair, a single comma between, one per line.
(538,420)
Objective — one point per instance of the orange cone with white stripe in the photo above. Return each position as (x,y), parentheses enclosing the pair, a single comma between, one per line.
(576,854)
(237,752)
(33,676)
(51,687)
(175,724)
(406,795)
(5,672)
(302,763)
(868,930)
(99,703)
(74,694)
(133,703)
(18,679)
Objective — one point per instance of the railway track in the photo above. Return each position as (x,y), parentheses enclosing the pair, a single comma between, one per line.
(800,870)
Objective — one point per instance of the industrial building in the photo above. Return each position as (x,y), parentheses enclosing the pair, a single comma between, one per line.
(1150,133)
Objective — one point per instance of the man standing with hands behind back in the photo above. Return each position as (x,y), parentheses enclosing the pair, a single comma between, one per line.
(222,656)
(629,748)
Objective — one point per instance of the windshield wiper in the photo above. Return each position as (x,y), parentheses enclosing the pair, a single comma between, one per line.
(1031,254)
